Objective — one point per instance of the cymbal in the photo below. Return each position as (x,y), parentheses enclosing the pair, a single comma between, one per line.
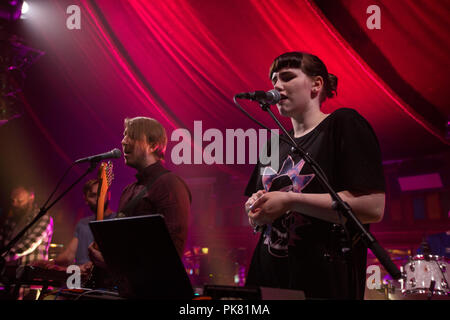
(399,252)
(395,255)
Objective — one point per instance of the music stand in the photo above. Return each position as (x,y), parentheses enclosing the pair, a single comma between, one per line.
(140,251)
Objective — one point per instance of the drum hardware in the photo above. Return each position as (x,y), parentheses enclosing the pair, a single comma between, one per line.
(432,285)
(431,290)
(391,288)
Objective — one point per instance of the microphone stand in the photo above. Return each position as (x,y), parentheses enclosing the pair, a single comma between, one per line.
(339,205)
(41,213)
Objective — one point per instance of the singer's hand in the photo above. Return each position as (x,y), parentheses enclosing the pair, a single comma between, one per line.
(251,201)
(249,205)
(270,206)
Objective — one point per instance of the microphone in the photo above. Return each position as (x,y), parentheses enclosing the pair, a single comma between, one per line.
(270,97)
(115,153)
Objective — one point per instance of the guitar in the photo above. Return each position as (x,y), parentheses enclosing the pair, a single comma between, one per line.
(105,178)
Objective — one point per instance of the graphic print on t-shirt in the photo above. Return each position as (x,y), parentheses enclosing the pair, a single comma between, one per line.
(288,179)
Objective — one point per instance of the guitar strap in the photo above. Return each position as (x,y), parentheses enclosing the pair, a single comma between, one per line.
(133,202)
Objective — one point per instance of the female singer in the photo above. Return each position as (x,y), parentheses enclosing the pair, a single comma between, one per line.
(305,244)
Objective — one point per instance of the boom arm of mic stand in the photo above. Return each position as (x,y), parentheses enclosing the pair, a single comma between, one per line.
(41,213)
(342,206)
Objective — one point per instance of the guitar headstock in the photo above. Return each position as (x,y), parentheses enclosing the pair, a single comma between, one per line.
(106,174)
(109,173)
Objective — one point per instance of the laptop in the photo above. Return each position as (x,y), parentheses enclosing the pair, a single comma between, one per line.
(139,251)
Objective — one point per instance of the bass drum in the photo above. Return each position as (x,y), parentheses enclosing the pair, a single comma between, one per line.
(426,277)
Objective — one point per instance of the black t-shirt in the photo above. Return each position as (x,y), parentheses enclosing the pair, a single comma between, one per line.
(305,253)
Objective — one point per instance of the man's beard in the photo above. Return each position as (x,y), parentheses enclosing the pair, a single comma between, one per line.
(19,213)
(94,207)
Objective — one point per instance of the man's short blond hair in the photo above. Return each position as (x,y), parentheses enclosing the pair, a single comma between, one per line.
(154,133)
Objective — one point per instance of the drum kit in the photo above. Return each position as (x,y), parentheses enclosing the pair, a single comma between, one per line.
(424,277)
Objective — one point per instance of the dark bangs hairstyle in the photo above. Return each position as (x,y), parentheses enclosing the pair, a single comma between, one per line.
(311,65)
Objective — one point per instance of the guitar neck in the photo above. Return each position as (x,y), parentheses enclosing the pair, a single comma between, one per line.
(104,182)
(101,208)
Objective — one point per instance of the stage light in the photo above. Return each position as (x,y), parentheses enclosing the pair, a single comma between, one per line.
(25,7)
(26,11)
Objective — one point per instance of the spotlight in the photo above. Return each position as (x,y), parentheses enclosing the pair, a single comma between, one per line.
(11,9)
(26,10)
(25,7)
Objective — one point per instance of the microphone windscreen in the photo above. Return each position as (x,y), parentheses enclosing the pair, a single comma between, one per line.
(116,153)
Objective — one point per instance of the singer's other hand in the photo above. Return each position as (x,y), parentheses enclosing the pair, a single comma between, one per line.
(270,206)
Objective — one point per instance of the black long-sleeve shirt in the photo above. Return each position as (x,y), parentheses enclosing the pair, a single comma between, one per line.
(168,195)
